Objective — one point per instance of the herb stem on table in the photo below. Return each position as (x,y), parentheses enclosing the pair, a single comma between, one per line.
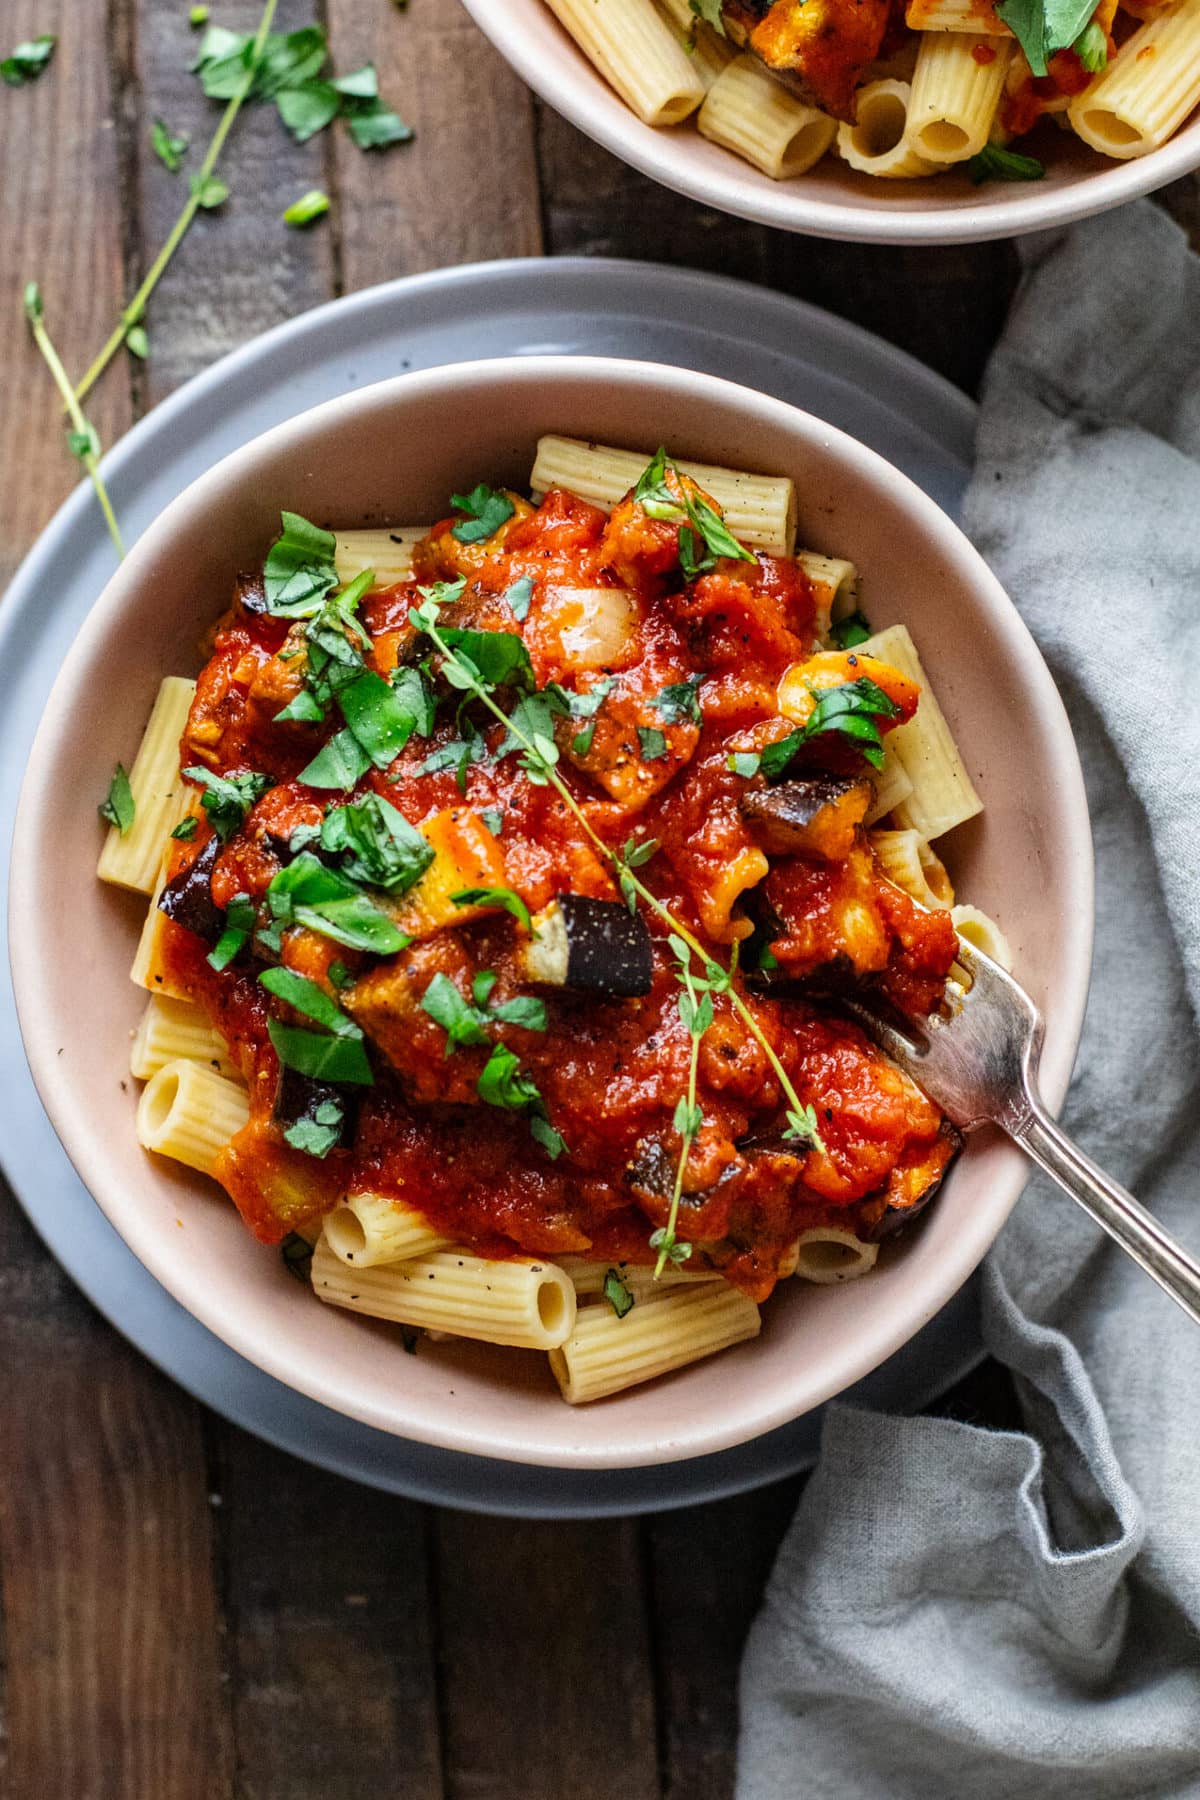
(83,441)
(132,314)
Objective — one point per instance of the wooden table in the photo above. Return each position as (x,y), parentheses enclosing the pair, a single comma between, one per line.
(188,1614)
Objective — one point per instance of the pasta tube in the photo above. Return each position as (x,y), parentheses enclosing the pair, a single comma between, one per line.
(891,783)
(150,969)
(638,53)
(527,1304)
(982,933)
(907,860)
(760,510)
(605,1354)
(173,1029)
(943,795)
(1147,90)
(369,1228)
(709,52)
(751,113)
(876,143)
(160,796)
(189,1113)
(956,88)
(588,1278)
(389,553)
(826,1254)
(955,15)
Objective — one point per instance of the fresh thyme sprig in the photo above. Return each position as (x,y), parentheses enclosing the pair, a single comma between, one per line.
(82,439)
(132,314)
(539,759)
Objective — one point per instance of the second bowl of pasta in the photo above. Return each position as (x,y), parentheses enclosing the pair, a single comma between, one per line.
(503,770)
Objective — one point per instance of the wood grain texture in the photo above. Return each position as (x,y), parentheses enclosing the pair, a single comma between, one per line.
(240,269)
(60,225)
(113,1686)
(465,189)
(544,1650)
(328,1642)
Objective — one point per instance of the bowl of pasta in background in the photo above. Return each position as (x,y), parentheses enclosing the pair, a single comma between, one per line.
(386,455)
(799,179)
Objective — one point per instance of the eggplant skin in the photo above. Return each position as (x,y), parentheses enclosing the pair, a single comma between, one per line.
(591,946)
(187,898)
(894,1217)
(299,1097)
(817,48)
(817,817)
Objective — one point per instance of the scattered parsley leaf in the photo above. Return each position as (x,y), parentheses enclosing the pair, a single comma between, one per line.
(169,149)
(854,629)
(307,209)
(415,694)
(186,828)
(524,1011)
(228,798)
(119,808)
(1091,47)
(28,61)
(496,896)
(486,512)
(503,1082)
(377,715)
(653,494)
(709,527)
(618,1293)
(994,163)
(653,743)
(227,946)
(318,1135)
(462,1022)
(853,708)
(680,702)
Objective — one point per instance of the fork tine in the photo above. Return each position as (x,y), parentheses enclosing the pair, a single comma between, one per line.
(893,1042)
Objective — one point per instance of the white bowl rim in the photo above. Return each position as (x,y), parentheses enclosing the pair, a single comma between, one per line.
(602,115)
(930,1288)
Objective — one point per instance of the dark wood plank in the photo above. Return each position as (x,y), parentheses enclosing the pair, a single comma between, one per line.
(596,206)
(708,1566)
(465,189)
(544,1649)
(113,1683)
(240,269)
(60,225)
(330,1649)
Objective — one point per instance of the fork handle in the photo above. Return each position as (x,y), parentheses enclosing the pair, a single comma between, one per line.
(1137,1231)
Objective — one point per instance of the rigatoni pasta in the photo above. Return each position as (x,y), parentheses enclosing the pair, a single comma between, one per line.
(421,1018)
(749,113)
(638,51)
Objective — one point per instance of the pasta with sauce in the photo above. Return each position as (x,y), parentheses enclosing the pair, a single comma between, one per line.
(489,948)
(906,92)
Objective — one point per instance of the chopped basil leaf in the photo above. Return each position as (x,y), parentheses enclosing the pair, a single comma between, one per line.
(457,754)
(524,1011)
(340,763)
(499,658)
(209,191)
(318,1135)
(486,512)
(306,997)
(493,818)
(1043,26)
(376,844)
(374,125)
(377,716)
(462,1022)
(169,149)
(496,896)
(710,12)
(326,901)
(186,829)
(304,709)
(653,494)
(744,762)
(618,1294)
(360,84)
(415,694)
(226,947)
(680,701)
(853,629)
(504,1083)
(228,798)
(482,985)
(776,757)
(542,1132)
(709,527)
(1091,47)
(340,975)
(299,570)
(27,61)
(994,163)
(852,709)
(653,743)
(119,808)
(307,208)
(319,1056)
(518,596)
(308,108)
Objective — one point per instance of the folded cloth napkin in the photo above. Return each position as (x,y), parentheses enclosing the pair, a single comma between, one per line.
(977,1614)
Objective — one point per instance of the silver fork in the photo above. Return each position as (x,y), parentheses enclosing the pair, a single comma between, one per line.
(980,1063)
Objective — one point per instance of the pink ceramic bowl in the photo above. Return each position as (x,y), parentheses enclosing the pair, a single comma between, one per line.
(392,453)
(832,200)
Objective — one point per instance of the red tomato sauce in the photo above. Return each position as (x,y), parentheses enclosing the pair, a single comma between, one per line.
(610,1072)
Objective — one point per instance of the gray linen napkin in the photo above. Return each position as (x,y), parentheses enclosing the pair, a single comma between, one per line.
(961,1612)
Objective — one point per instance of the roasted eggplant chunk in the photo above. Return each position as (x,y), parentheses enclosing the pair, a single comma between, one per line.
(817,817)
(187,898)
(331,1111)
(596,946)
(818,48)
(911,1187)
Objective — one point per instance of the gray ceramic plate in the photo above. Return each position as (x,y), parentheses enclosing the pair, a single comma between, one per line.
(673,316)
